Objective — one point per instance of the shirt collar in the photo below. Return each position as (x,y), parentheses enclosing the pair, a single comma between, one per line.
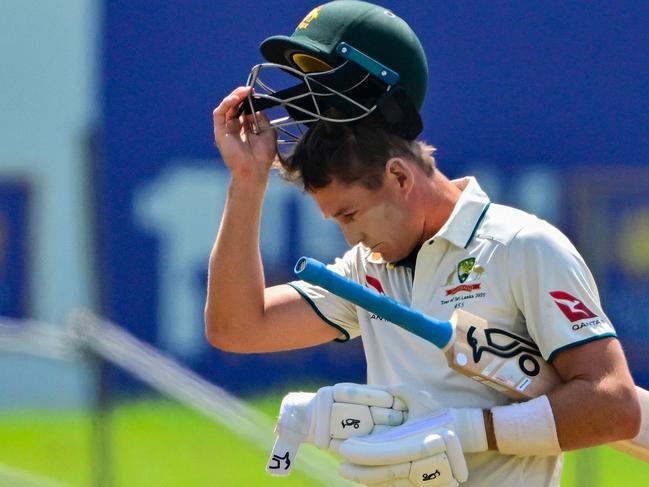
(468,213)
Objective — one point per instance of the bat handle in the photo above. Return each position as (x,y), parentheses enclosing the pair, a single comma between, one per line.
(315,272)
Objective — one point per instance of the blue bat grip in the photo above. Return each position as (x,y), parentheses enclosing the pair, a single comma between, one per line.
(315,272)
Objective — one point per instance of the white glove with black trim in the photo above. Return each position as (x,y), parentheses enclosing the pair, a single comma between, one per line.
(427,450)
(328,417)
(468,423)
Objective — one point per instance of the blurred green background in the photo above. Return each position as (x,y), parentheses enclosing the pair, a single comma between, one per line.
(160,443)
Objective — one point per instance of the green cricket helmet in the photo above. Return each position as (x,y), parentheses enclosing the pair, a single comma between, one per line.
(353,59)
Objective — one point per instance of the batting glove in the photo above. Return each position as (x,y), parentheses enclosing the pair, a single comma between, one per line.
(423,452)
(328,417)
(467,423)
(427,450)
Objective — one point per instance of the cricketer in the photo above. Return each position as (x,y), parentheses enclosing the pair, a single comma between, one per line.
(359,77)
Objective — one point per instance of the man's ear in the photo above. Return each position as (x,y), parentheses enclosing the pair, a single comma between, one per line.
(400,173)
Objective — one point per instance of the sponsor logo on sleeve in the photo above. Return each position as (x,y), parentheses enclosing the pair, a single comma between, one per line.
(575,310)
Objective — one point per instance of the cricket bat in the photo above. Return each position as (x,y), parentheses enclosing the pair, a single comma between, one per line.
(507,362)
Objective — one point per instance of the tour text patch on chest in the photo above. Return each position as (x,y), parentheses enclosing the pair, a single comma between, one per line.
(464,282)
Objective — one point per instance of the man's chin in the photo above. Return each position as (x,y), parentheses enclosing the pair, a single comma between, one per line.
(394,258)
(391,258)
(388,255)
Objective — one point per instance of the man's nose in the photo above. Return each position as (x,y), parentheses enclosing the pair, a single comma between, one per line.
(352,235)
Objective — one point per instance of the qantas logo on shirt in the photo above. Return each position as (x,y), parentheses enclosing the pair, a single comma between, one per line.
(573,308)
(375,283)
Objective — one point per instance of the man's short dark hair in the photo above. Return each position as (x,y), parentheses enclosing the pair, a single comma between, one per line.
(350,153)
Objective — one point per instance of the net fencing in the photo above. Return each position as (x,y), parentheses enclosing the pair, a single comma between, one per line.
(87,336)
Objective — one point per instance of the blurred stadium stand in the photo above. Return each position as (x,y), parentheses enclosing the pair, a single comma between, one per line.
(528,96)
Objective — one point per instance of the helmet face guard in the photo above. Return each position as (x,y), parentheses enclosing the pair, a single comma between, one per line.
(357,88)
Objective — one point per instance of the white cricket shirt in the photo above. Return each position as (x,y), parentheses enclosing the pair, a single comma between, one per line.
(518,272)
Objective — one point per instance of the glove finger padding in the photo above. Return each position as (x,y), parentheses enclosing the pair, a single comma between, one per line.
(417,403)
(468,423)
(432,471)
(362,394)
(415,454)
(387,416)
(294,425)
(349,420)
(356,410)
(333,414)
(374,475)
(395,483)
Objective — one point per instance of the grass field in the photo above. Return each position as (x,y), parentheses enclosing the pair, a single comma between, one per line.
(159,443)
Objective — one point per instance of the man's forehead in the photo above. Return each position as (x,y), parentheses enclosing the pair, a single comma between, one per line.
(337,197)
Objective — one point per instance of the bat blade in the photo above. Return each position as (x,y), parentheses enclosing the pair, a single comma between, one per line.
(507,362)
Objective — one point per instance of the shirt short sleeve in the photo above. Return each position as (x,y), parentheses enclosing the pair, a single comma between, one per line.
(555,290)
(335,311)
